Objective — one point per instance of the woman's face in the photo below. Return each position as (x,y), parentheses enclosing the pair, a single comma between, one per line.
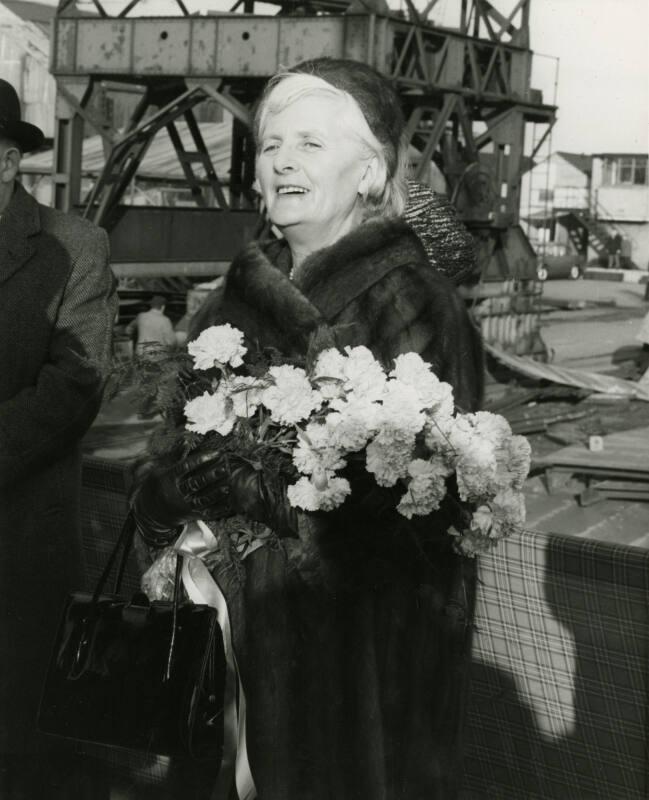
(311,170)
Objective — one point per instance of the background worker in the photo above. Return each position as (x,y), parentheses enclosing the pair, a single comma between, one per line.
(152,329)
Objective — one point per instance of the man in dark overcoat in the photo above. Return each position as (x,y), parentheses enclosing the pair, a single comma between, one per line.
(57,307)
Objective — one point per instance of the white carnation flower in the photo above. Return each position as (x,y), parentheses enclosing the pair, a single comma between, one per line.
(363,373)
(211,412)
(502,516)
(462,435)
(514,459)
(387,458)
(434,394)
(402,407)
(304,494)
(217,345)
(508,509)
(492,427)
(477,472)
(426,489)
(390,452)
(437,434)
(352,422)
(487,457)
(291,398)
(314,450)
(329,373)
(482,520)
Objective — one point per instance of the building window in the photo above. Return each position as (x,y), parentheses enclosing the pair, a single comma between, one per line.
(546,195)
(625,171)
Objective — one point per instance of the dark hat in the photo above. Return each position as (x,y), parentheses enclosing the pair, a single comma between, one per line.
(373,92)
(26,136)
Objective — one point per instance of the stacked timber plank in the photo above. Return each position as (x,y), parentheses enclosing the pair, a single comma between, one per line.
(619,470)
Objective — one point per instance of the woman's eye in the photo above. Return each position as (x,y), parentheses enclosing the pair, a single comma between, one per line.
(269,148)
(311,145)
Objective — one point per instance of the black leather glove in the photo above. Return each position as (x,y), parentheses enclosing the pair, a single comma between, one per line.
(196,487)
(254,497)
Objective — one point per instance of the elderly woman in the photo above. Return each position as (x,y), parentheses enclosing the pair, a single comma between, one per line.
(352,640)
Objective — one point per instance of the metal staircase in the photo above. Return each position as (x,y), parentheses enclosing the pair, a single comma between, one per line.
(586,229)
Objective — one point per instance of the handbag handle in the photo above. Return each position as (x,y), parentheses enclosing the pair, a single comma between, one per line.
(125,543)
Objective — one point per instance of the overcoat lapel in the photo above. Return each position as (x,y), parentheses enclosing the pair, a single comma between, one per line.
(19,223)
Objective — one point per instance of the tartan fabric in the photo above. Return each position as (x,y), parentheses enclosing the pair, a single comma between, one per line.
(104,506)
(558,706)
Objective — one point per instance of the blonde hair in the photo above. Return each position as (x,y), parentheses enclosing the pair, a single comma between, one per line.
(387,194)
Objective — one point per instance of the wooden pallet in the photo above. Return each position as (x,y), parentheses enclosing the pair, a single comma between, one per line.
(637,491)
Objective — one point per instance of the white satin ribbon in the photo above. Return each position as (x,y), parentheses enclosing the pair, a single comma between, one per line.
(195,542)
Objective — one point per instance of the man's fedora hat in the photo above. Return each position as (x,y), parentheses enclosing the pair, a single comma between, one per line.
(26,136)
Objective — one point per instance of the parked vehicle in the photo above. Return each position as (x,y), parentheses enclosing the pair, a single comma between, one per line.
(554,267)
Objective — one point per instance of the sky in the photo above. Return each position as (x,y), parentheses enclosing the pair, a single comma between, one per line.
(603,86)
(599,47)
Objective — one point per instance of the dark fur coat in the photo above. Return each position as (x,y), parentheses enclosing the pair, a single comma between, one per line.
(355,688)
(373,287)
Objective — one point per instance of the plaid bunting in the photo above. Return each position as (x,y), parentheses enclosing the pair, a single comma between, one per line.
(558,703)
(558,706)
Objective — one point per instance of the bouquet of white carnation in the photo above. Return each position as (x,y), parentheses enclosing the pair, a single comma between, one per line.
(402,422)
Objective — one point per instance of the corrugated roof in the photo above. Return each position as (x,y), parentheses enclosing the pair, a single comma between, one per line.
(160,161)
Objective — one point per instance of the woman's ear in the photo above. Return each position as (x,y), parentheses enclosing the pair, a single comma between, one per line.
(256,187)
(369,177)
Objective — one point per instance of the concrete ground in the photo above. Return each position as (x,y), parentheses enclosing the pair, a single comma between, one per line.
(623,295)
(592,325)
(599,331)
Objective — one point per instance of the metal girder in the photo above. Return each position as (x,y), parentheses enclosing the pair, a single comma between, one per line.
(224,98)
(129,150)
(198,156)
(68,143)
(417,56)
(480,17)
(439,120)
(466,92)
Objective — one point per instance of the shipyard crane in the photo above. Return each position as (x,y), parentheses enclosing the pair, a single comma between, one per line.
(465,90)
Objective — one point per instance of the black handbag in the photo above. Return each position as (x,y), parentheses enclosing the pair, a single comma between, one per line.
(137,675)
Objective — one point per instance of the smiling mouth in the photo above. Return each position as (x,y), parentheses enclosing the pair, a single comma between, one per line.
(283,190)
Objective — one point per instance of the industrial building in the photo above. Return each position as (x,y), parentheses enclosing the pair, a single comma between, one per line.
(578,203)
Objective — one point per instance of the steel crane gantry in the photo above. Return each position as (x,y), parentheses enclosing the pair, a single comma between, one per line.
(465,91)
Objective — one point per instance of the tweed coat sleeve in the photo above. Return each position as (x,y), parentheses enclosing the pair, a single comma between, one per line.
(43,420)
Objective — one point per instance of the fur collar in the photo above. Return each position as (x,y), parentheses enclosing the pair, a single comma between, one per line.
(255,283)
(261,299)
(330,278)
